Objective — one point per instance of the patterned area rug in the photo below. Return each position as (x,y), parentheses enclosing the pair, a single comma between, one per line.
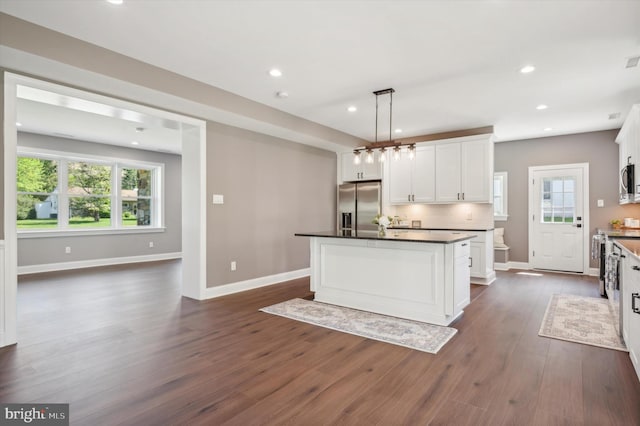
(579,319)
(411,334)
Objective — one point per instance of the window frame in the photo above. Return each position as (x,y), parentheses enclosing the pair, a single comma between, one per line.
(116,164)
(503,177)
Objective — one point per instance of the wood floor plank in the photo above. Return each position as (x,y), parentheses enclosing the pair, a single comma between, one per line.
(122,347)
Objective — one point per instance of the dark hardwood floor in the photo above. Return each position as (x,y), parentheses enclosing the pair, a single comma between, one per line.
(122,347)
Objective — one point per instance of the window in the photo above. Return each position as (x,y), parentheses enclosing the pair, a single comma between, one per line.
(88,199)
(558,200)
(500,212)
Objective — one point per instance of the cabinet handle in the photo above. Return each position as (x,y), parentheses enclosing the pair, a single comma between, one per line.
(636,268)
(408,197)
(634,297)
(463,244)
(458,196)
(471,262)
(413,197)
(463,195)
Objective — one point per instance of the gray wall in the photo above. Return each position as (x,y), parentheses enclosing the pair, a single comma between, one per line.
(46,250)
(272,188)
(597,148)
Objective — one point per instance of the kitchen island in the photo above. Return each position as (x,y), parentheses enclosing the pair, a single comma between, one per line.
(413,275)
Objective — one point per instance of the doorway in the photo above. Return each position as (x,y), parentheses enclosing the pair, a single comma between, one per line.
(193,135)
(559,217)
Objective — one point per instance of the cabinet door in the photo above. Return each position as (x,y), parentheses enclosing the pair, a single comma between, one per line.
(350,171)
(461,283)
(448,172)
(371,171)
(477,263)
(631,285)
(423,182)
(475,164)
(399,180)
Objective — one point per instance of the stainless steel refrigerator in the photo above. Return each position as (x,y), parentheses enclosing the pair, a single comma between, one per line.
(358,204)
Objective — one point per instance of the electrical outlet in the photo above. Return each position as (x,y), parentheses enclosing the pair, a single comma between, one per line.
(233,265)
(67,250)
(150,244)
(600,203)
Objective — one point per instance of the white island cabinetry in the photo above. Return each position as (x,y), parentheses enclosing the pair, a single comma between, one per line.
(414,277)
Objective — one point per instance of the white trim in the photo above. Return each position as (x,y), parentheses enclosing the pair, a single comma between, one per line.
(504,178)
(9,286)
(64,266)
(501,266)
(87,232)
(501,218)
(488,280)
(223,290)
(585,207)
(593,272)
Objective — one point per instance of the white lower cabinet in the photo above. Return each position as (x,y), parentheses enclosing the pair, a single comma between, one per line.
(461,278)
(630,289)
(480,255)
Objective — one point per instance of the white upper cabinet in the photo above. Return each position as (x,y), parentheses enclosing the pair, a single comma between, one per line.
(464,171)
(412,180)
(629,150)
(363,171)
(448,173)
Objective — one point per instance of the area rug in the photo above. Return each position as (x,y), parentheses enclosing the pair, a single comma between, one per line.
(579,319)
(411,334)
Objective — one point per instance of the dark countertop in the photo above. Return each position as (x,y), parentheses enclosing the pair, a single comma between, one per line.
(441,229)
(620,233)
(393,235)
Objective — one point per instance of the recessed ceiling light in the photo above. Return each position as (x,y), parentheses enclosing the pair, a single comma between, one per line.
(352,108)
(140,129)
(614,115)
(633,62)
(282,95)
(135,143)
(18,124)
(275,72)
(115,1)
(542,106)
(527,69)
(398,130)
(547,129)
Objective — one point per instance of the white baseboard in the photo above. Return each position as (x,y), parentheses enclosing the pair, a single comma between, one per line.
(484,280)
(63,266)
(223,290)
(511,265)
(594,272)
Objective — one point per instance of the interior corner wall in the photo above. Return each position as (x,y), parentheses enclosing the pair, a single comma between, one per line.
(50,250)
(596,148)
(272,189)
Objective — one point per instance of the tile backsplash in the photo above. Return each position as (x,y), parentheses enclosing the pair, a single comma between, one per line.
(454,216)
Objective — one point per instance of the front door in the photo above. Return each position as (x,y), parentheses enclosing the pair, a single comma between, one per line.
(556,210)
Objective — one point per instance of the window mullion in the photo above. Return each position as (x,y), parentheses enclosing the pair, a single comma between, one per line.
(63,196)
(116,204)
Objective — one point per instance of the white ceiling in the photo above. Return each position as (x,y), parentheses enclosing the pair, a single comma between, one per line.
(454,64)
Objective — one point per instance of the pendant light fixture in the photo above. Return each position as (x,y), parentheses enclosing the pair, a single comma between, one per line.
(382,146)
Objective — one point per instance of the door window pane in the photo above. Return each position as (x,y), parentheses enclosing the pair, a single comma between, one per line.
(558,200)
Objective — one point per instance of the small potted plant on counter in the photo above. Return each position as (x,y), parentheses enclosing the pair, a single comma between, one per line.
(616,223)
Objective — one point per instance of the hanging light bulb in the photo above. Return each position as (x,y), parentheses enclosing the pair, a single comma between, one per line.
(369,156)
(383,155)
(396,153)
(356,157)
(412,152)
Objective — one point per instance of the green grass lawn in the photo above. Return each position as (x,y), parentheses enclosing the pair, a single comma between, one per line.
(74,222)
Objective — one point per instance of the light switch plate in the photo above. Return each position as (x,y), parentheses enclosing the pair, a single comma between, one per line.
(600,203)
(218,199)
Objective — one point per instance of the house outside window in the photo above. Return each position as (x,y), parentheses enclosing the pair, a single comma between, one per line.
(500,212)
(88,200)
